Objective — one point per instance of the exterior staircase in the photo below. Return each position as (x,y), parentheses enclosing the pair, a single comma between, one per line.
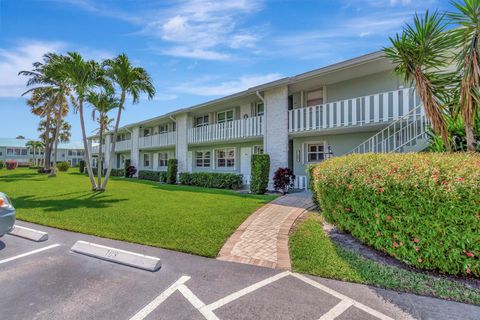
(407,134)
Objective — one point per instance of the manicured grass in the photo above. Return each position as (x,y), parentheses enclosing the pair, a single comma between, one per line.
(313,252)
(188,219)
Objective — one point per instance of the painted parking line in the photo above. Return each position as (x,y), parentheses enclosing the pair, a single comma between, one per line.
(207,310)
(29,253)
(30,234)
(142,314)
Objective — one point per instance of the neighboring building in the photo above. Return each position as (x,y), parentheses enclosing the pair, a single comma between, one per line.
(297,120)
(16,149)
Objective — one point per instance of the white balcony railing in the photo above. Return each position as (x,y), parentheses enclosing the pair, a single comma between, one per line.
(158,140)
(232,130)
(124,145)
(360,111)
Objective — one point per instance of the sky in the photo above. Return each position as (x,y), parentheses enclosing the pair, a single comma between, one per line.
(194,50)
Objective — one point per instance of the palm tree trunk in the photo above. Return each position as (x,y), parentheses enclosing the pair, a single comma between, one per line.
(53,172)
(48,151)
(100,153)
(114,141)
(85,146)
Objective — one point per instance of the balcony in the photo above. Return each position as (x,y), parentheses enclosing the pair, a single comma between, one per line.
(158,140)
(380,108)
(125,145)
(241,129)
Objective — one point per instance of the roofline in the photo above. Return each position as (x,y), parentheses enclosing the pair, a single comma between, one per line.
(369,57)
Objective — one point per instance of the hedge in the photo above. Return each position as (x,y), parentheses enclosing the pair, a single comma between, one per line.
(117,173)
(212,180)
(63,166)
(82,166)
(2,164)
(423,209)
(160,176)
(260,164)
(172,169)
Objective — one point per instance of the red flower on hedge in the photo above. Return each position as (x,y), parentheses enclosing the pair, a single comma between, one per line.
(350,187)
(469,254)
(395,244)
(348,209)
(381,189)
(420,260)
(389,218)
(416,240)
(468,270)
(461,179)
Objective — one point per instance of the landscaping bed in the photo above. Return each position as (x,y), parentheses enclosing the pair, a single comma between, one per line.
(132,210)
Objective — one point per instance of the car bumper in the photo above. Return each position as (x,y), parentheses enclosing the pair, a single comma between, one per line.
(7,220)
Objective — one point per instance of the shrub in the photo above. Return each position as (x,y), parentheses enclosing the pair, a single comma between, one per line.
(130,172)
(127,164)
(11,164)
(283,179)
(44,171)
(63,166)
(2,164)
(423,209)
(172,168)
(159,176)
(260,173)
(117,173)
(82,166)
(212,180)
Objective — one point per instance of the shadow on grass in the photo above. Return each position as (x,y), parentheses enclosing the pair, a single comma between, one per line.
(13,177)
(87,200)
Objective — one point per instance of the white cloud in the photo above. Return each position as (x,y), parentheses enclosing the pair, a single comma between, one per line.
(208,86)
(14,60)
(195,53)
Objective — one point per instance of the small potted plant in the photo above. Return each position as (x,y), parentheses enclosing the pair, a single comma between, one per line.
(283,180)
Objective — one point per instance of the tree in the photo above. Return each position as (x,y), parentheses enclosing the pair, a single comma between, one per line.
(49,80)
(468,62)
(102,103)
(83,77)
(419,53)
(132,81)
(34,146)
(20,137)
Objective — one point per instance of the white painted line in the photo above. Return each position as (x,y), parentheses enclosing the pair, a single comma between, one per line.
(234,296)
(117,255)
(340,296)
(197,303)
(30,234)
(340,308)
(142,314)
(28,253)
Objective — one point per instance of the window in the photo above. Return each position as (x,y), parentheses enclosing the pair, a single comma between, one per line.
(225,158)
(9,152)
(201,121)
(258,150)
(146,160)
(259,109)
(24,152)
(317,152)
(147,132)
(162,159)
(70,153)
(202,159)
(163,128)
(315,98)
(224,116)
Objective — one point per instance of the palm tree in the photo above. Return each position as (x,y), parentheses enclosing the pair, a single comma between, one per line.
(132,81)
(82,77)
(419,54)
(31,145)
(102,103)
(63,135)
(468,62)
(47,77)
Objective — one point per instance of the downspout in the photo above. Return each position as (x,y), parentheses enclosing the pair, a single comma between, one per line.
(264,121)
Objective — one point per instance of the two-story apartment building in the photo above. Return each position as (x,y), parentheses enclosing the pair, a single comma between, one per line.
(16,149)
(297,120)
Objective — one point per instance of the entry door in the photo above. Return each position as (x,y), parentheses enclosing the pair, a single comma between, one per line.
(245,161)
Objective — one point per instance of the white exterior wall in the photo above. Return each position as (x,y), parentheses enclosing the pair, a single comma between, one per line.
(276,127)
(182,144)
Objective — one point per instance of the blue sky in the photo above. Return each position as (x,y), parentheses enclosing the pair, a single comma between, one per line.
(195,50)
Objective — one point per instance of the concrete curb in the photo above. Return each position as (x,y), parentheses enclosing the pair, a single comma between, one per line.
(127,258)
(30,234)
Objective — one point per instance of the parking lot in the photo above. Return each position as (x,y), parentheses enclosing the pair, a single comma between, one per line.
(46,280)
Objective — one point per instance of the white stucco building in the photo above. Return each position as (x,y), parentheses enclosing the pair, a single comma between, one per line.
(297,120)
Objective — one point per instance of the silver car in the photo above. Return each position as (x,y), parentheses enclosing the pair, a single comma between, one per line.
(7,214)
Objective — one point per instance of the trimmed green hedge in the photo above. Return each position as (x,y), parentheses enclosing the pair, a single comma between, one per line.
(117,173)
(260,172)
(172,169)
(63,166)
(423,209)
(212,180)
(160,176)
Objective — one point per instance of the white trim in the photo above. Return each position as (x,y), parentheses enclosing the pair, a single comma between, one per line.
(305,151)
(225,111)
(194,157)
(234,168)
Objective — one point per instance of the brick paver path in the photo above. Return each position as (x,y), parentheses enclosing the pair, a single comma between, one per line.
(262,239)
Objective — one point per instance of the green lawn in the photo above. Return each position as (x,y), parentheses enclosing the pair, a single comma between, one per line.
(188,219)
(313,252)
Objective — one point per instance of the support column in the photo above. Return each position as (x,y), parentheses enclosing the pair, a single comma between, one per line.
(106,151)
(135,152)
(276,127)
(181,150)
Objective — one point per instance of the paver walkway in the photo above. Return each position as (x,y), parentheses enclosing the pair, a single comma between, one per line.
(262,239)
